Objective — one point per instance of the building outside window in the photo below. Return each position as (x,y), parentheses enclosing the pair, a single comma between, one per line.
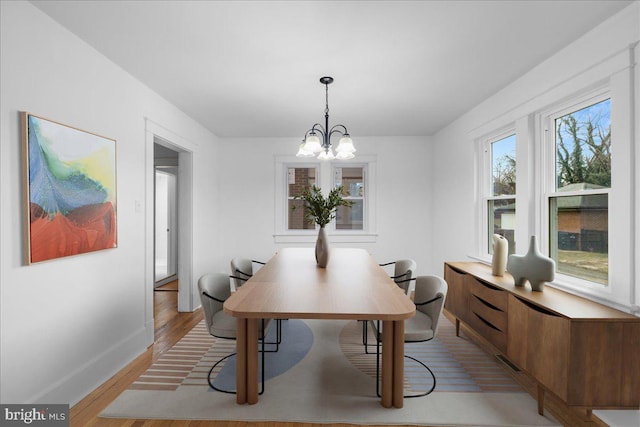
(299,178)
(352,180)
(578,199)
(501,198)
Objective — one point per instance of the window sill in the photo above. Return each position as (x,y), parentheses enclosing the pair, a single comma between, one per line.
(600,294)
(335,237)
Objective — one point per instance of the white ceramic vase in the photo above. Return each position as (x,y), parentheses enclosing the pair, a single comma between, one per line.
(533,266)
(500,254)
(322,249)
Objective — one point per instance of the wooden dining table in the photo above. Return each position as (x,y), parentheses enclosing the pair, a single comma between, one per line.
(292,286)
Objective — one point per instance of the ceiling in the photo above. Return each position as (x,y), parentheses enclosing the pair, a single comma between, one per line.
(252,68)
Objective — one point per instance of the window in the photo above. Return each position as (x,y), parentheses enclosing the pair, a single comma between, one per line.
(501,198)
(298,178)
(578,197)
(352,180)
(355,224)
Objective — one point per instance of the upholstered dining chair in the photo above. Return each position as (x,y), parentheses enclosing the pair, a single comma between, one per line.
(242,270)
(403,275)
(429,297)
(403,272)
(214,289)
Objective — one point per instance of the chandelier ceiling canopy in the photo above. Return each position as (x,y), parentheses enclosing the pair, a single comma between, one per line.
(317,140)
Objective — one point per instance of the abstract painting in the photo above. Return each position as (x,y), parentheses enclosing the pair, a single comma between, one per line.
(70,184)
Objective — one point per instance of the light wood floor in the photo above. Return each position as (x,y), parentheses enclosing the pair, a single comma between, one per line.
(170,327)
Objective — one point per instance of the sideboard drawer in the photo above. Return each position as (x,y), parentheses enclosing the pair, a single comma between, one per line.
(457,301)
(496,297)
(487,330)
(494,316)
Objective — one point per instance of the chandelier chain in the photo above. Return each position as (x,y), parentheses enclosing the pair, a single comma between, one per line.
(326,108)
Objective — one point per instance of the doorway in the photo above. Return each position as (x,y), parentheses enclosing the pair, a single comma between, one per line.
(166,231)
(166,225)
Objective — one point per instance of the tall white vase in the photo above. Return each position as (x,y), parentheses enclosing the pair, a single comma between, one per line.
(322,249)
(500,254)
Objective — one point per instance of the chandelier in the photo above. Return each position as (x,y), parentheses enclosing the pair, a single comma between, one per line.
(312,145)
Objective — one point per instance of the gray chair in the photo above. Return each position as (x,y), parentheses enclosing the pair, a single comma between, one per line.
(403,275)
(403,272)
(214,289)
(430,294)
(242,270)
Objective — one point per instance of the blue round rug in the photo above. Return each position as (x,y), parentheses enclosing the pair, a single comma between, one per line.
(297,340)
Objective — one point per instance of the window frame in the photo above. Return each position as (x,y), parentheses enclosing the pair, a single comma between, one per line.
(613,76)
(548,190)
(486,180)
(324,179)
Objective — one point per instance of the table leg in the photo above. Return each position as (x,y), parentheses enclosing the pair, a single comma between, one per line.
(387,363)
(252,361)
(241,361)
(398,363)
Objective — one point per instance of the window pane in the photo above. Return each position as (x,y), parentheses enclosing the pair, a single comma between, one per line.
(579,231)
(350,218)
(297,220)
(503,166)
(298,179)
(583,148)
(352,179)
(502,220)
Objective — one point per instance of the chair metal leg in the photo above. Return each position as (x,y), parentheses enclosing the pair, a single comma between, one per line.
(263,351)
(407,356)
(278,340)
(365,336)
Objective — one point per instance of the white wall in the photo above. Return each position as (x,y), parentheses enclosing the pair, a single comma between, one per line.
(403,194)
(69,324)
(601,54)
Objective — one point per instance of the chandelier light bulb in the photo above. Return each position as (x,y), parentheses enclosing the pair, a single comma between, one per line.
(346,145)
(326,154)
(304,153)
(312,143)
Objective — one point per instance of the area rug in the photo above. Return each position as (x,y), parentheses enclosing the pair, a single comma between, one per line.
(333,382)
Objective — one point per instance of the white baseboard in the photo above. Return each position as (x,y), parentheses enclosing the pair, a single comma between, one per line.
(86,378)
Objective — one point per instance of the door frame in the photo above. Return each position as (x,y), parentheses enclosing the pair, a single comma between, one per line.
(156,133)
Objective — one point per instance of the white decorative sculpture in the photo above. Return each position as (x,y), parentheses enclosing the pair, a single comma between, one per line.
(500,254)
(534,267)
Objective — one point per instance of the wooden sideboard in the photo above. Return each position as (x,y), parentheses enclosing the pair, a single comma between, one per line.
(585,353)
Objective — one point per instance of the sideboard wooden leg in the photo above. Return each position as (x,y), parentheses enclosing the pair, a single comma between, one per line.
(457,327)
(540,400)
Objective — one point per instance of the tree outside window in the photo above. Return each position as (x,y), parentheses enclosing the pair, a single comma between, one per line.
(578,209)
(501,203)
